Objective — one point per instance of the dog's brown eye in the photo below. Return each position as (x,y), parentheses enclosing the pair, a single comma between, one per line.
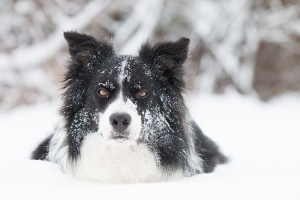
(103,92)
(143,93)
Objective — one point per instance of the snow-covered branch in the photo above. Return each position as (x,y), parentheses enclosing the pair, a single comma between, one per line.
(29,56)
(138,26)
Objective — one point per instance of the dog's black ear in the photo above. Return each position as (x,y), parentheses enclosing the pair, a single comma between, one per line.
(176,51)
(168,56)
(85,48)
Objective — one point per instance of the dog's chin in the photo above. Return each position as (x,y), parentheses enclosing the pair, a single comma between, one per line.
(120,139)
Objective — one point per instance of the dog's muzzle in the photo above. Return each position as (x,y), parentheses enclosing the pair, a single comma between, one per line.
(120,122)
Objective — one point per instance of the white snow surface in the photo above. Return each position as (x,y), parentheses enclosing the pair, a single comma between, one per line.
(261,140)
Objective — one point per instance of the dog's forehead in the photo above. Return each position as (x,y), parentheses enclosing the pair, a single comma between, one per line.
(110,68)
(123,69)
(134,70)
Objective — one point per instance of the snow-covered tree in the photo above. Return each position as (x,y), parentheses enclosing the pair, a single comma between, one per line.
(251,46)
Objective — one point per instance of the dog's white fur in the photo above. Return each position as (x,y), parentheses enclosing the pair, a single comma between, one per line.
(111,161)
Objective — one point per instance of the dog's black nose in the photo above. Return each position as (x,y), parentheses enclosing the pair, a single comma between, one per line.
(120,121)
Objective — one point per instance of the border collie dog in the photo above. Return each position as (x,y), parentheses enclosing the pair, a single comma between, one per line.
(124,118)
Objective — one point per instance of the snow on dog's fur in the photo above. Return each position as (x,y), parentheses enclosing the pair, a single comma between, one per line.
(124,117)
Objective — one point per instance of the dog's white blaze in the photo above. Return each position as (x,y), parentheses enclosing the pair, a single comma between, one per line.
(122,74)
(121,106)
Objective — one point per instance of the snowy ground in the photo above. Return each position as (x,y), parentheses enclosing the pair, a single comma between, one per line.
(262,141)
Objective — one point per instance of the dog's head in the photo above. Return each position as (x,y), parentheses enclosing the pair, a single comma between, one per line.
(124,98)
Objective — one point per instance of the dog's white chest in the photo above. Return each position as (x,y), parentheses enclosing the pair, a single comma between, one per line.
(112,161)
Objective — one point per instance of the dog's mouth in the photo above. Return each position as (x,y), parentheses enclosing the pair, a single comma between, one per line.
(119,136)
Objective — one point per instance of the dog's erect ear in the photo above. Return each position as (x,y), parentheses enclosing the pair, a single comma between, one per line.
(85,48)
(168,55)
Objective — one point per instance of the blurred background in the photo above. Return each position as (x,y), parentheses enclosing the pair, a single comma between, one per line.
(249,46)
(243,74)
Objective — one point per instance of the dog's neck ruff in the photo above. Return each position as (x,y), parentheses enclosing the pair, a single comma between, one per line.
(108,160)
